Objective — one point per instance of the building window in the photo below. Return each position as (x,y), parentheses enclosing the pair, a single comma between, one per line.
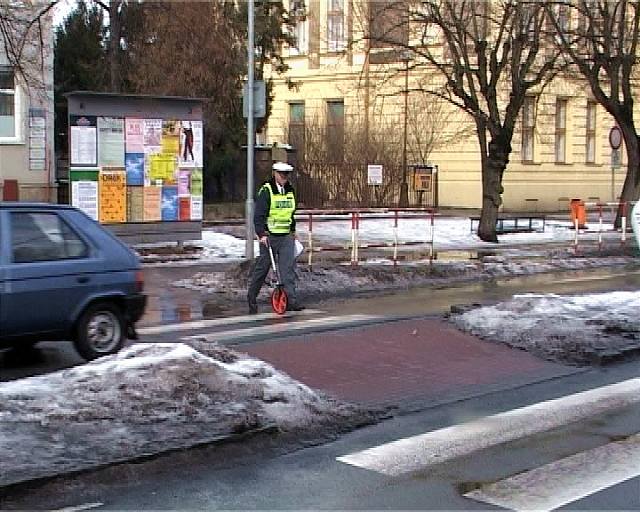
(296,126)
(591,132)
(8,109)
(388,23)
(335,130)
(561,131)
(300,29)
(335,26)
(528,126)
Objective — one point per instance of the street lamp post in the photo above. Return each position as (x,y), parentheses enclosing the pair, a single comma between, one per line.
(404,186)
(249,230)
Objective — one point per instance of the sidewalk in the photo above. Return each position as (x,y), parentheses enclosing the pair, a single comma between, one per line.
(416,362)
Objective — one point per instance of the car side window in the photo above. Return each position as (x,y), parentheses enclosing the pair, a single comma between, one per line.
(43,237)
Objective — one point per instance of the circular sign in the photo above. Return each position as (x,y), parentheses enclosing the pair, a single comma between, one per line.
(615,137)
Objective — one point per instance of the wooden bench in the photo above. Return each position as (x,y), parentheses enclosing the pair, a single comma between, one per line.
(515,223)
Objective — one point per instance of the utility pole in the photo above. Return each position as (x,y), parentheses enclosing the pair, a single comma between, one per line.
(249,229)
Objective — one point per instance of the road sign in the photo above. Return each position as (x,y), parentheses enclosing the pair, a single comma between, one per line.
(615,137)
(374,174)
(259,99)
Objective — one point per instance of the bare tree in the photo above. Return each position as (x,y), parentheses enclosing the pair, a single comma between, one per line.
(23,38)
(433,125)
(487,57)
(324,180)
(603,46)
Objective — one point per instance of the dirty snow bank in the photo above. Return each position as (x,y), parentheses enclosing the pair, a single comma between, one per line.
(580,330)
(147,399)
(321,282)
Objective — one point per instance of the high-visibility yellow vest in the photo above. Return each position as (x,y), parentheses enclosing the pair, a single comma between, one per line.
(282,207)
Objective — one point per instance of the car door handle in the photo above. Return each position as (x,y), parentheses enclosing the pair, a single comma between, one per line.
(83,279)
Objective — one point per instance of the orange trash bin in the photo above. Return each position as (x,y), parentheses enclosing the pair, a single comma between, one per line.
(579,212)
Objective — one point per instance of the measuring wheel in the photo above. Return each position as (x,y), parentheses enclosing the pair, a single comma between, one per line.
(279,300)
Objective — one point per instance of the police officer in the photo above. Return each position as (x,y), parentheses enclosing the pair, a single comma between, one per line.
(274,222)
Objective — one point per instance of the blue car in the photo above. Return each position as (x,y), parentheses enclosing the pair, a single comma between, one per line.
(65,277)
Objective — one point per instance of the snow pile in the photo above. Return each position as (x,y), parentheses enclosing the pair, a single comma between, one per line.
(321,282)
(147,399)
(578,330)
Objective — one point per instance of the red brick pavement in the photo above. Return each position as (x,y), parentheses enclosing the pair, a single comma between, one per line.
(407,359)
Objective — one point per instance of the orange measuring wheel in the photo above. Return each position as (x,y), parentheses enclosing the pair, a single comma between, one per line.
(279,300)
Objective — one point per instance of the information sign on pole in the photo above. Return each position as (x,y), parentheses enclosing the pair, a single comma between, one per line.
(374,174)
(259,99)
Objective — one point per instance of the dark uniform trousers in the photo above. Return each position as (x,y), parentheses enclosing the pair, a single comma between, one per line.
(283,247)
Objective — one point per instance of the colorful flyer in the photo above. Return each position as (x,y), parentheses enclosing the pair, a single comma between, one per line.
(196,182)
(169,206)
(111,141)
(134,165)
(135,204)
(134,135)
(188,147)
(184,208)
(112,196)
(152,133)
(171,137)
(184,182)
(162,167)
(151,201)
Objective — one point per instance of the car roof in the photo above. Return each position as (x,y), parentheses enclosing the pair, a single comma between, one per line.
(30,205)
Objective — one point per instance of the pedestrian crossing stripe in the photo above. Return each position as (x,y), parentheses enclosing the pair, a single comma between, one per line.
(216,322)
(284,327)
(424,450)
(566,480)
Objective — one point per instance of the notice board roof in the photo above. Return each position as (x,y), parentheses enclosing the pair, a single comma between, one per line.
(134,105)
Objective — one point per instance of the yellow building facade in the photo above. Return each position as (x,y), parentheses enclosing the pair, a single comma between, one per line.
(339,87)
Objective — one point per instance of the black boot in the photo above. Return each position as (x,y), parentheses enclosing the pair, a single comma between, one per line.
(253,306)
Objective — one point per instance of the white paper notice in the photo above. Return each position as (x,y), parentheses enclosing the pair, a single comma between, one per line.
(84,195)
(196,207)
(84,145)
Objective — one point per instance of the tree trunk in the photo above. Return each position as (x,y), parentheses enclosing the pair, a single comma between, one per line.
(492,170)
(631,187)
(114,45)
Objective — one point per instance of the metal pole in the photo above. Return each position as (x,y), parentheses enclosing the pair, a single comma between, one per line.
(613,183)
(249,229)
(404,189)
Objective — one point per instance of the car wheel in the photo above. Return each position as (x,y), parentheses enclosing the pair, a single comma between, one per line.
(100,331)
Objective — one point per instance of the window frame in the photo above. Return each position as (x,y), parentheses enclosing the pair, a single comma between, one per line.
(591,131)
(336,11)
(300,30)
(297,124)
(17,112)
(560,146)
(64,229)
(528,130)
(334,129)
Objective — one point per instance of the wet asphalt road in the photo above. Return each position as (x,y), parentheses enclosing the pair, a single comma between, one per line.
(265,473)
(170,305)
